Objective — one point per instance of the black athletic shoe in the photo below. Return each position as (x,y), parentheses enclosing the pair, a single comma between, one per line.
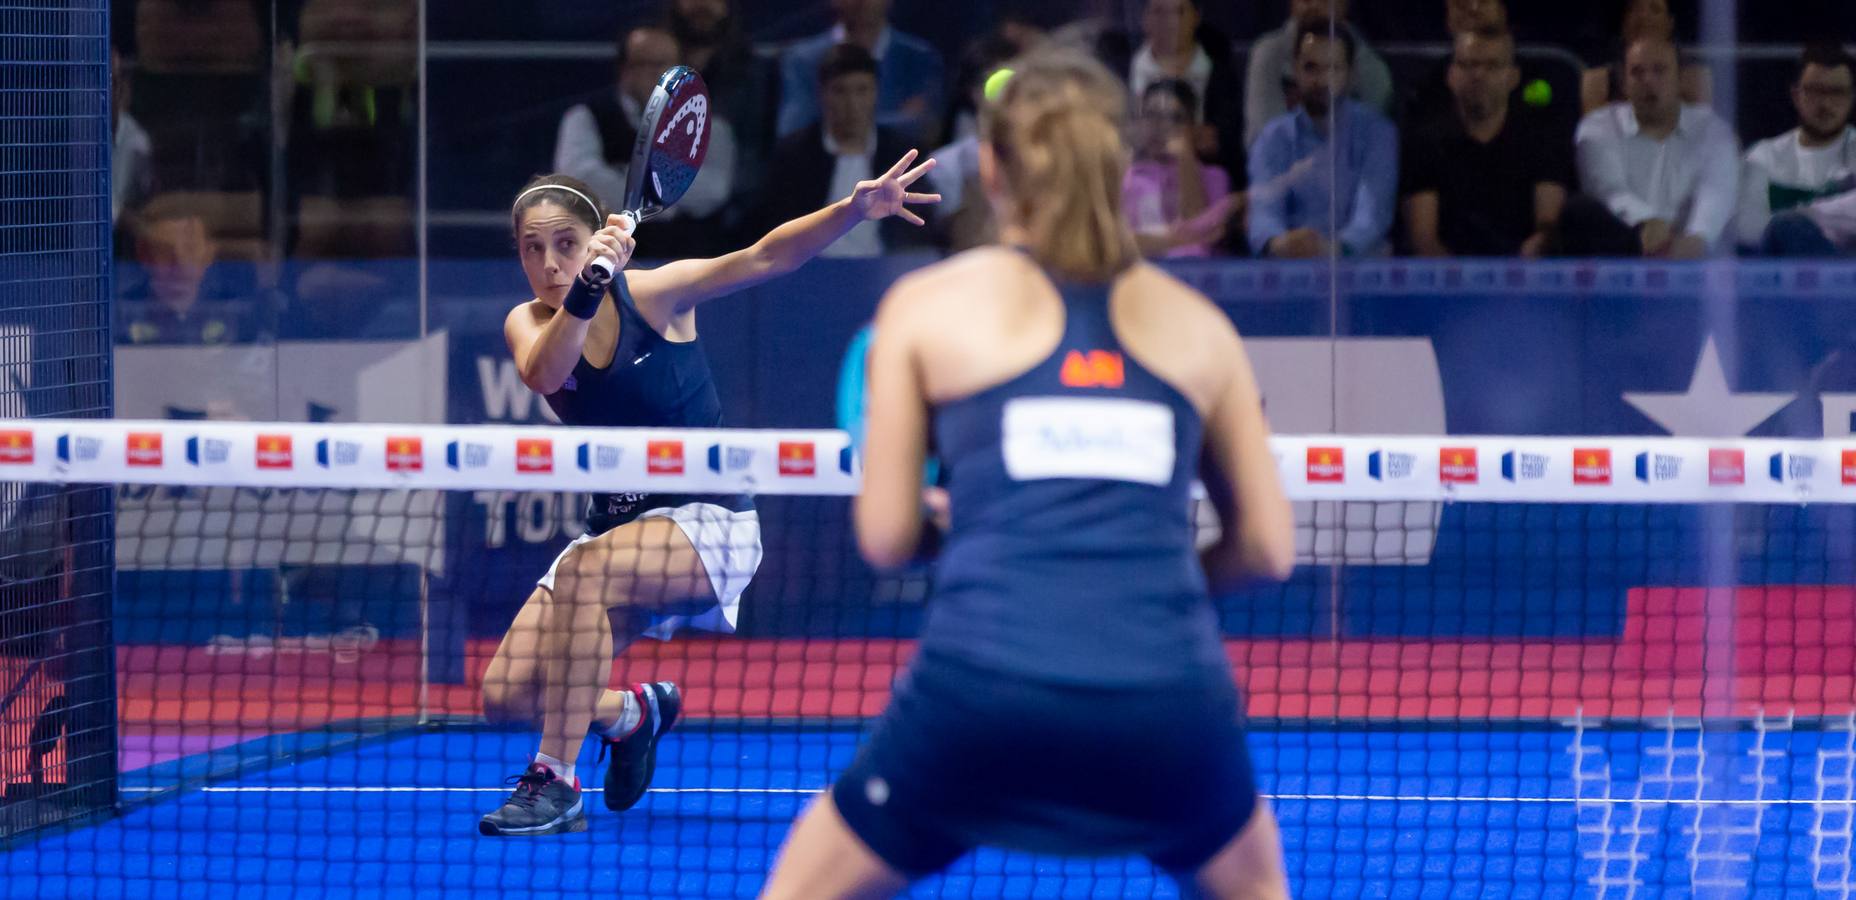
(542,804)
(634,757)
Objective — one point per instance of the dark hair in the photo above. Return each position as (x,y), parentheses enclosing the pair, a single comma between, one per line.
(1181,91)
(1327,30)
(1482,34)
(1828,54)
(845,59)
(983,57)
(170,207)
(1040,14)
(680,29)
(565,191)
(625,35)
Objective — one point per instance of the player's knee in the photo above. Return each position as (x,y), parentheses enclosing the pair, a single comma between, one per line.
(585,582)
(620,580)
(627,579)
(590,571)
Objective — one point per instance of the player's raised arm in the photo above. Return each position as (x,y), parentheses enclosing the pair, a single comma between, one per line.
(683,284)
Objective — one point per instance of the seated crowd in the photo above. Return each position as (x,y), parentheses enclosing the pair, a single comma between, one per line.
(1301,145)
(1304,146)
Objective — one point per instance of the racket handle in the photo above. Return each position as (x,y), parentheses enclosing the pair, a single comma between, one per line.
(599,272)
(628,222)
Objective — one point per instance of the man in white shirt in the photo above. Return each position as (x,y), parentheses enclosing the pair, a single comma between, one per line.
(1811,163)
(1661,179)
(596,138)
(1269,87)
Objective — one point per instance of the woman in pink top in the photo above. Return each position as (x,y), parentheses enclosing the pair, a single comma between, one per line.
(1177,205)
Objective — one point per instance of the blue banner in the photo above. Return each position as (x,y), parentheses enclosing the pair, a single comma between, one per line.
(1702,350)
(1395,348)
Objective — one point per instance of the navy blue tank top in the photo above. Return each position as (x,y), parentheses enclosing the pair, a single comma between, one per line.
(1071,555)
(650,383)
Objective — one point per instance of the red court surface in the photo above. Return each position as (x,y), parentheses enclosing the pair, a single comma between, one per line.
(1773,649)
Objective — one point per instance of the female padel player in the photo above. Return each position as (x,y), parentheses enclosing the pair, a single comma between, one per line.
(648,562)
(1071,693)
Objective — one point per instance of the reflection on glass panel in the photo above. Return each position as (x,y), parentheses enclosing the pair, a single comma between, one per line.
(349,111)
(265,167)
(192,125)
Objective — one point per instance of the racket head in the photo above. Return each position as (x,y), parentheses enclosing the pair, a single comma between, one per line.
(673,141)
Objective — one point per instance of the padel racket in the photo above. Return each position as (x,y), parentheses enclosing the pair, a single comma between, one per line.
(673,140)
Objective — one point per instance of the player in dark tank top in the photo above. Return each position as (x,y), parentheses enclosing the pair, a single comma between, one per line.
(1071,694)
(649,562)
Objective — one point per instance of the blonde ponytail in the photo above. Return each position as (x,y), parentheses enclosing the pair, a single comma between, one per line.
(1056,129)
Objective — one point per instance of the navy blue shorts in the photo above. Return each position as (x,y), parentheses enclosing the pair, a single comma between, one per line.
(964,757)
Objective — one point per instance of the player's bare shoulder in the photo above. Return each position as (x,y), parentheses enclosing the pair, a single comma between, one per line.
(530,312)
(946,290)
(524,323)
(1174,311)
(1177,333)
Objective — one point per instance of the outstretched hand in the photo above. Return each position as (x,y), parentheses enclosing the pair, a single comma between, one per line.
(888,194)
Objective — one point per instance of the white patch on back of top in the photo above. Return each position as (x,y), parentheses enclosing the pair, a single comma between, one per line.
(1088,437)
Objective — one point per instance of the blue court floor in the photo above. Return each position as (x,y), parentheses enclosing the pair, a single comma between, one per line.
(1567,810)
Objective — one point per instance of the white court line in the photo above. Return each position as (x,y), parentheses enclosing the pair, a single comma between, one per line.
(1322,798)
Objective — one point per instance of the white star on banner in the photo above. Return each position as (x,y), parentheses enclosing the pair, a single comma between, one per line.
(1709,408)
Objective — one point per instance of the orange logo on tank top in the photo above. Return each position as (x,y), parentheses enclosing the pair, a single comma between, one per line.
(1094,369)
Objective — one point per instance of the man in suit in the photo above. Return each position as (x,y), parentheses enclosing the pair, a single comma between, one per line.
(909,72)
(824,161)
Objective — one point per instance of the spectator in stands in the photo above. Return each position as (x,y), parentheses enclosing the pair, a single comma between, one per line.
(1660,177)
(964,217)
(596,140)
(983,55)
(1825,228)
(1176,204)
(1177,45)
(1271,87)
(1323,178)
(1814,161)
(1467,16)
(131,174)
(1490,179)
(826,159)
(176,300)
(740,82)
(1603,81)
(909,72)
(1434,100)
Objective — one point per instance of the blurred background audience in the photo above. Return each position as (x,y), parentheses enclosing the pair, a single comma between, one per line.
(289,135)
(1326,171)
